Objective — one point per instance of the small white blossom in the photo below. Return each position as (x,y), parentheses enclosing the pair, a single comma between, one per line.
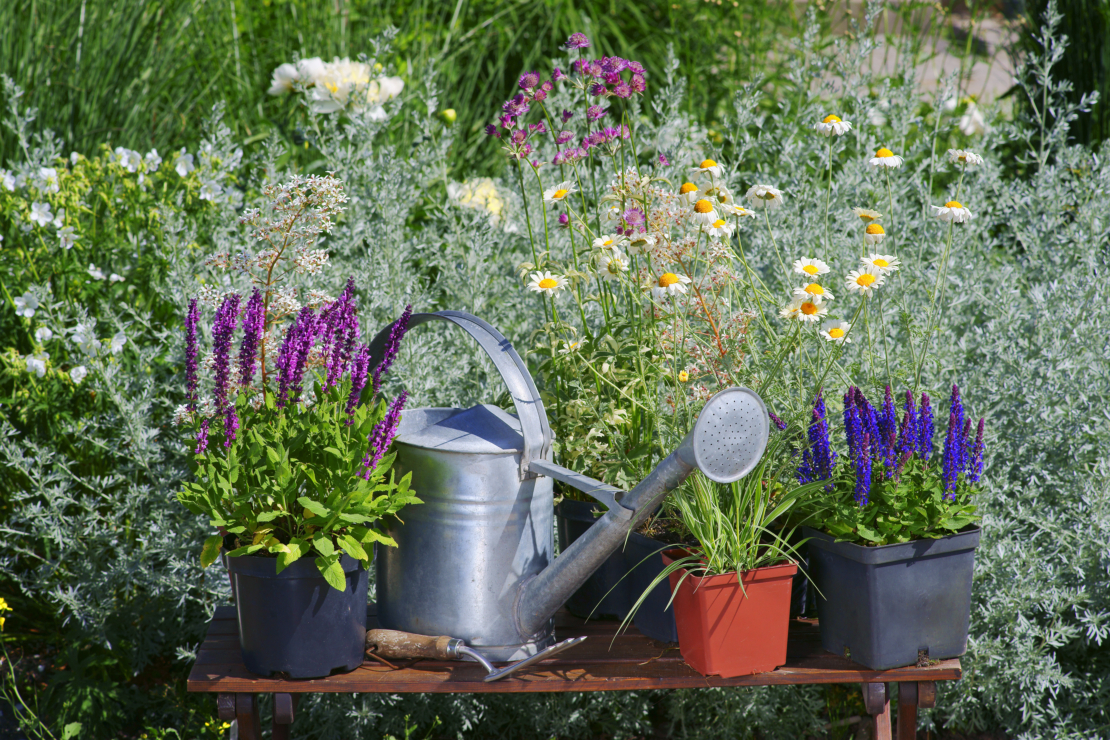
(832,125)
(952,211)
(43,334)
(26,305)
(153,161)
(59,218)
(885,158)
(95,272)
(67,237)
(210,190)
(559,193)
(669,283)
(182,415)
(184,163)
(85,339)
(37,364)
(764,196)
(118,340)
(47,180)
(128,159)
(7,180)
(547,282)
(972,123)
(78,374)
(114,278)
(963,156)
(40,213)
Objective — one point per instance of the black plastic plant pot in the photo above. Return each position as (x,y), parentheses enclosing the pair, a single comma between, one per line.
(606,593)
(881,606)
(644,559)
(294,622)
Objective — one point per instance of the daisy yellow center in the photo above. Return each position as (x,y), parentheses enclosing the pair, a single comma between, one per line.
(768,195)
(707,163)
(867,217)
(884,152)
(614,266)
(703,206)
(810,269)
(548,283)
(953,204)
(607,242)
(880,262)
(809,308)
(831,119)
(836,332)
(875,229)
(815,289)
(667,280)
(688,187)
(718,223)
(865,279)
(560,193)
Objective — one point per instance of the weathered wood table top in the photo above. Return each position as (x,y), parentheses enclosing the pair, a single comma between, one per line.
(605,662)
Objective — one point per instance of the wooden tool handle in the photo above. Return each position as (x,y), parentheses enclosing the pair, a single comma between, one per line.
(401,645)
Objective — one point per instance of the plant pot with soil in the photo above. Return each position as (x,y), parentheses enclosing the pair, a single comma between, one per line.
(296,484)
(892,532)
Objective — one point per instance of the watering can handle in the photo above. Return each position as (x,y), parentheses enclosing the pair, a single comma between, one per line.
(529,407)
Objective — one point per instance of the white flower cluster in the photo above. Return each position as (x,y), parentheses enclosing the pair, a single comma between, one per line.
(136,163)
(338,85)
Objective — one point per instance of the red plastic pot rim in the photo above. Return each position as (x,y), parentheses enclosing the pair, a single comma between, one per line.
(759,575)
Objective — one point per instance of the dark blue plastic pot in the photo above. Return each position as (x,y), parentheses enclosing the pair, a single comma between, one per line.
(294,622)
(607,593)
(880,606)
(644,559)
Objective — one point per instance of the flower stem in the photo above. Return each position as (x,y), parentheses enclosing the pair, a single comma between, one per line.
(828,193)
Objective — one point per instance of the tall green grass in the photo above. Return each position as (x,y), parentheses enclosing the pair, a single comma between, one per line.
(142,73)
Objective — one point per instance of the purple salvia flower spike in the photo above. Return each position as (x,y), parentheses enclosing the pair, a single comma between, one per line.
(254,323)
(381,436)
(863,472)
(824,458)
(392,346)
(202,438)
(926,429)
(951,470)
(192,381)
(852,428)
(223,327)
(907,434)
(975,467)
(776,420)
(306,338)
(956,407)
(360,369)
(888,428)
(805,470)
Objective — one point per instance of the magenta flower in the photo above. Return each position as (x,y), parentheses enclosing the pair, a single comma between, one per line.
(539,128)
(529,80)
(595,112)
(637,83)
(491,130)
(577,41)
(558,75)
(567,115)
(539,95)
(392,346)
(622,90)
(547,86)
(507,122)
(633,217)
(597,90)
(381,436)
(563,137)
(518,106)
(254,322)
(564,220)
(192,381)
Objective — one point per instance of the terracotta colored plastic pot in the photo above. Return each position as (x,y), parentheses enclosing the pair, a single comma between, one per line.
(722,631)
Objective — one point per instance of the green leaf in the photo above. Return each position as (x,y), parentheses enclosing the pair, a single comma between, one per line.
(323,545)
(314,506)
(273,456)
(332,572)
(269,516)
(211,550)
(72,730)
(352,547)
(292,553)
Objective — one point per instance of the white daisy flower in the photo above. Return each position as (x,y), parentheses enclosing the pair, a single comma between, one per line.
(874,233)
(719,194)
(669,284)
(886,158)
(639,243)
(835,330)
(810,267)
(963,156)
(719,228)
(813,290)
(867,215)
(559,193)
(830,125)
(805,309)
(689,193)
(40,213)
(571,347)
(612,216)
(864,282)
(704,213)
(707,165)
(609,241)
(764,196)
(734,210)
(952,211)
(78,374)
(612,265)
(26,305)
(884,264)
(43,334)
(547,282)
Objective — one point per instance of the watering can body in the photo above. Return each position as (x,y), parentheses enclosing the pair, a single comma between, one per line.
(477,560)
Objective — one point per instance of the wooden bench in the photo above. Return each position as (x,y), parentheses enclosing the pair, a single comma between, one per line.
(628,662)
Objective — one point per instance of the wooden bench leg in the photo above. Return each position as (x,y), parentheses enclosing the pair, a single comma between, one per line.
(246,714)
(877,700)
(907,710)
(284,707)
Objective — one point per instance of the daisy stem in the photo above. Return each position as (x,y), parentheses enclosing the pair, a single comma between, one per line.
(828,193)
(886,347)
(942,272)
(573,252)
(890,198)
(870,349)
(531,237)
(767,219)
(843,344)
(758,302)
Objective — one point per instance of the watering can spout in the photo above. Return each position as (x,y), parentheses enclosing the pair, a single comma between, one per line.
(725,444)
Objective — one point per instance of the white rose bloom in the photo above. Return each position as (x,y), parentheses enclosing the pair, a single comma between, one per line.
(78,374)
(40,213)
(42,334)
(26,305)
(184,163)
(118,341)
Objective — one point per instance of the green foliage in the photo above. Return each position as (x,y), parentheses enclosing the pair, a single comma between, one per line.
(909,505)
(291,485)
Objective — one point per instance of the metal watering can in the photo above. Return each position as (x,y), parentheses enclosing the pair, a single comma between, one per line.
(476,560)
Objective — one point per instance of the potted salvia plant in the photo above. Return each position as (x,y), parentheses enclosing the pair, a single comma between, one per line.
(731,590)
(893,529)
(291,460)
